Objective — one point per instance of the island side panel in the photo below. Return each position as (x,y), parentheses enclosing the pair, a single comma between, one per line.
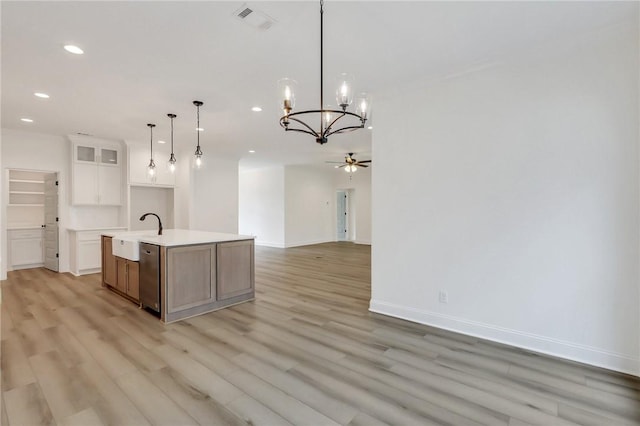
(163,283)
(235,269)
(191,272)
(174,310)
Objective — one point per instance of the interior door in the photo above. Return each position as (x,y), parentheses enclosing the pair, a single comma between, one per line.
(341,203)
(51,221)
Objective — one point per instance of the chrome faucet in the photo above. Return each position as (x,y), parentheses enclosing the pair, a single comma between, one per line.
(159,221)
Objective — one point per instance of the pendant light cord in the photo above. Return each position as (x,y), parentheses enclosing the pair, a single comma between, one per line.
(198,128)
(151,141)
(321,66)
(171,135)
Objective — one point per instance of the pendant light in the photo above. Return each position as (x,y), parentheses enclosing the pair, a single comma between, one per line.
(151,168)
(326,117)
(198,152)
(172,158)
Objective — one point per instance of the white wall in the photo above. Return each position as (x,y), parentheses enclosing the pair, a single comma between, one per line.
(360,184)
(310,206)
(146,199)
(296,205)
(34,151)
(214,195)
(182,191)
(515,189)
(261,210)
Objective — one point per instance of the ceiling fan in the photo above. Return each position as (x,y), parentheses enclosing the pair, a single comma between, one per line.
(350,163)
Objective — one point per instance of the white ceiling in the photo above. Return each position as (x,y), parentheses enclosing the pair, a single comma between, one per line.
(146,59)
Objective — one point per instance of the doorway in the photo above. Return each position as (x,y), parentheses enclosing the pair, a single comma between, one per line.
(345,219)
(32,219)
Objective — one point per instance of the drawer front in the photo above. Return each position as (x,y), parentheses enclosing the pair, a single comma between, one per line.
(20,234)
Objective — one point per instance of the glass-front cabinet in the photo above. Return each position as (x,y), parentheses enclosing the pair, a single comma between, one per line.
(96,172)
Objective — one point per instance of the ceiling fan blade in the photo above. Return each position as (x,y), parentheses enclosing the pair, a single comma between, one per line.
(365,161)
(362,165)
(338,167)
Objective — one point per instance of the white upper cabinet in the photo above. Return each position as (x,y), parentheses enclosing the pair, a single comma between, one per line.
(138,159)
(96,172)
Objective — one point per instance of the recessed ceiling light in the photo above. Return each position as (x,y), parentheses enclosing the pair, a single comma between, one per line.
(161,142)
(370,127)
(256,109)
(41,95)
(200,129)
(251,151)
(27,120)
(73,49)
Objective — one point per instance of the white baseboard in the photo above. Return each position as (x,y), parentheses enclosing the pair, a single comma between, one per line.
(269,244)
(546,345)
(307,243)
(367,243)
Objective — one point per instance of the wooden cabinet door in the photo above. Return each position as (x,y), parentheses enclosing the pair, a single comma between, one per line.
(191,276)
(121,275)
(109,272)
(235,269)
(133,279)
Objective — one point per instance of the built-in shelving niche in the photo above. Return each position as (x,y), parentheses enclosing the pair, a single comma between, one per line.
(26,198)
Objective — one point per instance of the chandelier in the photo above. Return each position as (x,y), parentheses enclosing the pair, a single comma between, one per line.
(326,118)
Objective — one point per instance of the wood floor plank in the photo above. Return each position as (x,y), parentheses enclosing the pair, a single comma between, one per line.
(86,417)
(110,403)
(306,351)
(325,404)
(154,404)
(279,402)
(254,413)
(197,404)
(64,393)
(26,405)
(16,370)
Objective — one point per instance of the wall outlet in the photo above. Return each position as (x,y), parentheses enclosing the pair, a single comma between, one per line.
(443,296)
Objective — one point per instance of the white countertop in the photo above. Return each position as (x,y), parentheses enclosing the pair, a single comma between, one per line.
(104,228)
(177,237)
(23,227)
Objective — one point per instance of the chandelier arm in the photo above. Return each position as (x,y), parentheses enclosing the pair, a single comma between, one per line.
(327,131)
(301,131)
(302,123)
(344,130)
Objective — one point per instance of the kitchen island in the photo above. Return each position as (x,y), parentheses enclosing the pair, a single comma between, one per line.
(190,272)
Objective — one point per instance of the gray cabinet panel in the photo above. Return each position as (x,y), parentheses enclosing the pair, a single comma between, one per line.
(235,269)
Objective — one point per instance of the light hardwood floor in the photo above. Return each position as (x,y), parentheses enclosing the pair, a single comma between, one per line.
(306,352)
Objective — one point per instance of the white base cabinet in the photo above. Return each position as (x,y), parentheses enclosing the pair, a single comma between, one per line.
(86,251)
(26,248)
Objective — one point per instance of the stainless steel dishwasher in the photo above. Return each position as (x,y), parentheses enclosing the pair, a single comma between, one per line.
(150,276)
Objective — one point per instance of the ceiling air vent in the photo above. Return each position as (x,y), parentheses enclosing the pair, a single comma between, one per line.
(243,14)
(254,18)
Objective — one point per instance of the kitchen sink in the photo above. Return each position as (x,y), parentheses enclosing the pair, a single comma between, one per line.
(128,246)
